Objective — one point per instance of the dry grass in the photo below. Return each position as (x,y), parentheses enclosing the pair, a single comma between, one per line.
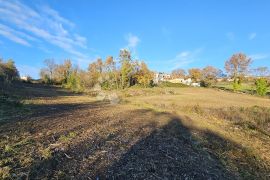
(202,97)
(153,133)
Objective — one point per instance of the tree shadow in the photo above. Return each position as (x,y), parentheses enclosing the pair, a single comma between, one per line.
(34,90)
(170,152)
(149,151)
(35,116)
(14,110)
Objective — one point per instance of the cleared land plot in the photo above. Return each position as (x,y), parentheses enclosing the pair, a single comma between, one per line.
(152,133)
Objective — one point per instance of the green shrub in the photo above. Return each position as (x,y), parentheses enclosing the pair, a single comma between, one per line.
(105,85)
(169,84)
(261,86)
(236,84)
(74,82)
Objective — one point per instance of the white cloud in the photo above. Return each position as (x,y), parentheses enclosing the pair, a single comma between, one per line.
(42,23)
(132,43)
(81,41)
(258,56)
(252,36)
(44,49)
(184,58)
(13,35)
(132,40)
(55,15)
(184,54)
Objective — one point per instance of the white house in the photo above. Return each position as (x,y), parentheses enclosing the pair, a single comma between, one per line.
(181,80)
(161,77)
(195,84)
(187,81)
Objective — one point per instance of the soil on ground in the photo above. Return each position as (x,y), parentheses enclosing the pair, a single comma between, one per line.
(73,136)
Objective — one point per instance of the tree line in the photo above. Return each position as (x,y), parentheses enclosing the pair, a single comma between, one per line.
(124,72)
(237,68)
(8,71)
(109,73)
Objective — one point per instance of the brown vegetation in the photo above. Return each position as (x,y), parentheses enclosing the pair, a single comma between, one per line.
(152,133)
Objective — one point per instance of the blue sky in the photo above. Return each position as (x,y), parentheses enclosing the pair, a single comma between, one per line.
(165,34)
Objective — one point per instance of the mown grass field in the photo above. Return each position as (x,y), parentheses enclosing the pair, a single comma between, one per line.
(154,133)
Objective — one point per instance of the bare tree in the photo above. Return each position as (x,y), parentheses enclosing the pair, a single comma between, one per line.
(209,75)
(210,72)
(99,65)
(50,67)
(109,64)
(125,55)
(237,65)
(178,73)
(261,71)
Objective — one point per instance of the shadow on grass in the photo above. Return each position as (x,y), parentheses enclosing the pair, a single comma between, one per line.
(44,113)
(33,90)
(171,151)
(13,110)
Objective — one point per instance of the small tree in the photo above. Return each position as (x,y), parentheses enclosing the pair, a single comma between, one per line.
(109,67)
(74,82)
(62,72)
(195,74)
(44,76)
(93,74)
(47,74)
(144,76)
(99,65)
(209,76)
(126,68)
(237,67)
(261,86)
(50,67)
(8,71)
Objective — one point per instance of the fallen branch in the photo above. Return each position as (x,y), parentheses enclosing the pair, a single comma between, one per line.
(69,157)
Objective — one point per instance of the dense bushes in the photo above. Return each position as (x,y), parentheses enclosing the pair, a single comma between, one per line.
(107,74)
(62,74)
(255,118)
(74,83)
(8,71)
(261,86)
(206,83)
(110,75)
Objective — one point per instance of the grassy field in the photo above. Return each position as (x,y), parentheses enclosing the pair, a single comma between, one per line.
(154,133)
(245,87)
